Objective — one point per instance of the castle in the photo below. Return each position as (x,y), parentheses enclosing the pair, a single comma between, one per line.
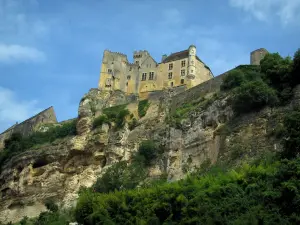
(145,75)
(181,70)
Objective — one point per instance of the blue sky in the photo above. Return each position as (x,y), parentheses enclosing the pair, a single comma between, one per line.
(50,51)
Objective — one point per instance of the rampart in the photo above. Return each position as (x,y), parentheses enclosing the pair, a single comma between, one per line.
(194,93)
(30,125)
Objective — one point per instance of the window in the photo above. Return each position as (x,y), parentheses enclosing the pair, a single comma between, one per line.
(137,62)
(170,66)
(172,84)
(126,83)
(183,63)
(144,76)
(182,81)
(109,70)
(170,75)
(128,77)
(182,72)
(151,75)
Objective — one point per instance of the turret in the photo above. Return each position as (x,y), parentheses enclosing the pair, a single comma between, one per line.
(192,62)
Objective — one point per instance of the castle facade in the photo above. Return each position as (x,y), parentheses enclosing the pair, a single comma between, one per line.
(145,75)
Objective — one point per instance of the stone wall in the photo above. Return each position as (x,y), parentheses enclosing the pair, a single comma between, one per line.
(194,93)
(28,126)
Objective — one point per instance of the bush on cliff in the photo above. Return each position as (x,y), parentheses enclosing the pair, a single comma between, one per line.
(278,74)
(266,193)
(143,107)
(234,79)
(121,176)
(252,96)
(115,114)
(149,150)
(16,143)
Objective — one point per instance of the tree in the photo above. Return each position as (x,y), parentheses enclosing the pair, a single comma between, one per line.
(277,70)
(253,96)
(148,150)
(233,79)
(291,142)
(296,68)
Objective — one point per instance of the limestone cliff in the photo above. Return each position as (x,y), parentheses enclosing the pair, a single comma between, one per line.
(57,170)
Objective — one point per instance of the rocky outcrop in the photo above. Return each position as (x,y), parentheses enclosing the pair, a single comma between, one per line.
(59,169)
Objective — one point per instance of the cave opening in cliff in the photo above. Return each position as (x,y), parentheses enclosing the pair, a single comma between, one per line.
(40,163)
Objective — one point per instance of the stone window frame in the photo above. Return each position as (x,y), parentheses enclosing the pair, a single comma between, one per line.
(182,81)
(128,77)
(183,63)
(144,76)
(182,72)
(170,75)
(170,66)
(109,71)
(172,84)
(151,75)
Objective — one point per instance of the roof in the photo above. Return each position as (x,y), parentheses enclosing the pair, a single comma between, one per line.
(176,56)
(181,55)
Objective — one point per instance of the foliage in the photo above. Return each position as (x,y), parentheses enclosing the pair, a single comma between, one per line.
(149,150)
(253,96)
(100,120)
(291,141)
(233,79)
(16,143)
(132,124)
(239,75)
(51,206)
(115,114)
(143,107)
(121,176)
(277,71)
(296,68)
(266,193)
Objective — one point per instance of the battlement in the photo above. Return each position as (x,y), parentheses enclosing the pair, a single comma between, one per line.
(116,53)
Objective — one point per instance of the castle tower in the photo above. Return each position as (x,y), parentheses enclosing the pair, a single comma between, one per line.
(192,62)
(257,55)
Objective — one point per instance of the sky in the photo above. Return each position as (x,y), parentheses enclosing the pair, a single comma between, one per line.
(51,51)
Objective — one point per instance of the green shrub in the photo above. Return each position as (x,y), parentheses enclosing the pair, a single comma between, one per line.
(51,206)
(149,150)
(233,79)
(291,142)
(296,68)
(121,176)
(253,96)
(16,143)
(266,193)
(115,114)
(143,107)
(133,124)
(100,120)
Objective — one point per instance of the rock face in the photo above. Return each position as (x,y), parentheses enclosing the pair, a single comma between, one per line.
(59,169)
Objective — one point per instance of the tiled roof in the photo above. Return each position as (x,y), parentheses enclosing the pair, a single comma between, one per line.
(176,56)
(180,55)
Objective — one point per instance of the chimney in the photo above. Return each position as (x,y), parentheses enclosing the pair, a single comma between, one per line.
(163,57)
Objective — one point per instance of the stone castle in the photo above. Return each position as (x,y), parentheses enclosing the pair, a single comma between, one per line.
(145,75)
(182,71)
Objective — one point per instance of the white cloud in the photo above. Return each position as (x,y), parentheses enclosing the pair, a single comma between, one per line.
(266,10)
(16,53)
(13,110)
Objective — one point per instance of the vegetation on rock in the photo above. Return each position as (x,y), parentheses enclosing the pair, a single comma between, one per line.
(115,114)
(16,143)
(143,107)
